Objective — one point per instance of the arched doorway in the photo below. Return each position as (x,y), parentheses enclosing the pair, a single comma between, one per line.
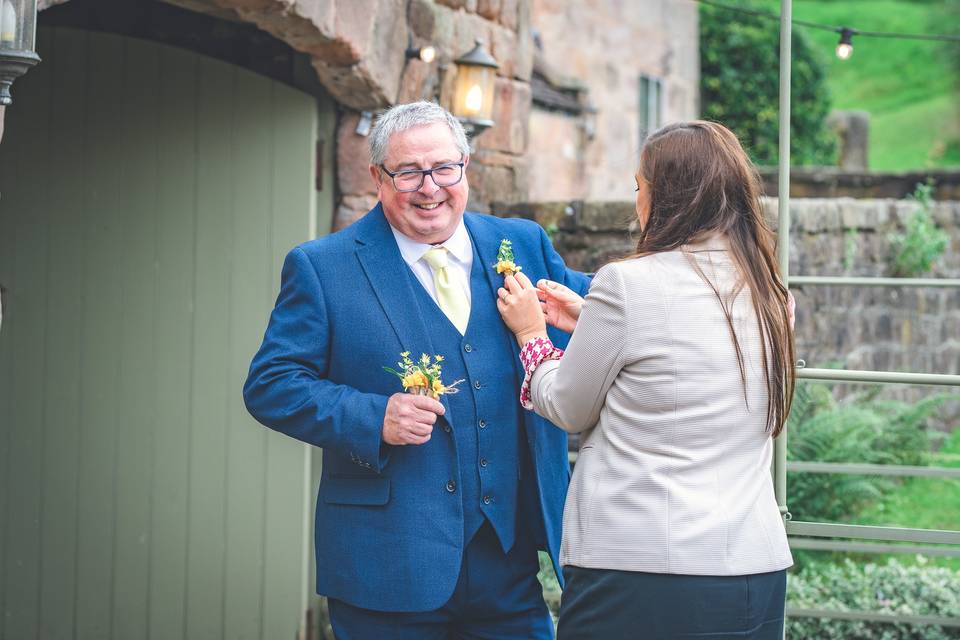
(149,194)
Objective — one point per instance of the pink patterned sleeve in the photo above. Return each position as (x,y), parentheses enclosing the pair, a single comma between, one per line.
(534,352)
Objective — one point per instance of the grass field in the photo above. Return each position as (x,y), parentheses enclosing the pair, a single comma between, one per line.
(923,503)
(910,88)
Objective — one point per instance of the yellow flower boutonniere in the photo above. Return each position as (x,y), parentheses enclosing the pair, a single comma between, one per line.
(505,260)
(422,377)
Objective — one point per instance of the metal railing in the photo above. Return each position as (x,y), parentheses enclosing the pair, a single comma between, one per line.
(822,536)
(810,534)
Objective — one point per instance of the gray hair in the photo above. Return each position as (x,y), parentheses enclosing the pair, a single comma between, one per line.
(407,116)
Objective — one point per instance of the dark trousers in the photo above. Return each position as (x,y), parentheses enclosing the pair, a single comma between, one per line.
(605,604)
(497,597)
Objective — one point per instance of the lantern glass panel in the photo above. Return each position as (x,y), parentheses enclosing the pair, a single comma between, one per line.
(18,23)
(474,95)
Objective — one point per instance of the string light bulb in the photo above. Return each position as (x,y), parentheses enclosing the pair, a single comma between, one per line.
(845,46)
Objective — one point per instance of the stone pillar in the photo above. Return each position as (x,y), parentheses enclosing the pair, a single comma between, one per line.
(3,110)
(853,129)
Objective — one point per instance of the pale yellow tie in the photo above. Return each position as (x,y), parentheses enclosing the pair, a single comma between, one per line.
(450,294)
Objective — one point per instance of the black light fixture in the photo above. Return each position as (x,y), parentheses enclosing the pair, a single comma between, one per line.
(473,95)
(845,46)
(425,53)
(18,23)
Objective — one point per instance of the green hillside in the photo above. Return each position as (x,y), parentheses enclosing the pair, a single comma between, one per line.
(910,88)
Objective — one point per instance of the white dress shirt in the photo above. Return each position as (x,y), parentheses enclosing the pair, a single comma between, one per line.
(460,258)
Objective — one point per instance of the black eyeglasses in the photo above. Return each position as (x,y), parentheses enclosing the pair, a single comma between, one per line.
(446,175)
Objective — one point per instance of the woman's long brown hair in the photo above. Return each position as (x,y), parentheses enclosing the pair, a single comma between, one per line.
(700,181)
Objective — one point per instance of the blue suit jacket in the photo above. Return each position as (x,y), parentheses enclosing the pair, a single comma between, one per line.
(386,536)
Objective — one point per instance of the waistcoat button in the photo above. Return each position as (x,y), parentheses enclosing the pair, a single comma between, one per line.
(487,499)
(476,385)
(451,486)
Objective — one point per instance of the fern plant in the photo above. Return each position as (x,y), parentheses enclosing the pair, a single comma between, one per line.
(859,429)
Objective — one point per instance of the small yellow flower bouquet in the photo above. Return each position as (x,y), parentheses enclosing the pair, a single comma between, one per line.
(422,377)
(505,260)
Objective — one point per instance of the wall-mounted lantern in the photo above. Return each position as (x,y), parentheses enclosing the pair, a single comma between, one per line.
(18,23)
(473,95)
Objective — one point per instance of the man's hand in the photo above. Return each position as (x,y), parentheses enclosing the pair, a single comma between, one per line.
(410,419)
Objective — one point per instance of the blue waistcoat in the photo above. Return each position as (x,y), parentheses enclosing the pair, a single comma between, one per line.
(485,422)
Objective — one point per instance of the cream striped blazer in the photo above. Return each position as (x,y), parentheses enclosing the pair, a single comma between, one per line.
(673,474)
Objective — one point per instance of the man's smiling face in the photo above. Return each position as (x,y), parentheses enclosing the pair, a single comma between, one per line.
(430,214)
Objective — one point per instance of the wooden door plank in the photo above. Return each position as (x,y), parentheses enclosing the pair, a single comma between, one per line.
(101,323)
(174,336)
(28,312)
(136,399)
(250,268)
(67,64)
(207,500)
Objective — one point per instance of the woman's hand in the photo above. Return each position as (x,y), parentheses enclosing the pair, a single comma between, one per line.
(519,305)
(560,304)
(791,309)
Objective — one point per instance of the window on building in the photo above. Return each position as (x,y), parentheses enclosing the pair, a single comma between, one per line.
(651,105)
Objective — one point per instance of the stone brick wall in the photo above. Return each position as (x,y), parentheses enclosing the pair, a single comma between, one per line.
(833,182)
(498,168)
(604,46)
(876,328)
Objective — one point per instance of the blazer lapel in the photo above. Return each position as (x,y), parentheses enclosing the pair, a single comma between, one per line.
(387,273)
(486,242)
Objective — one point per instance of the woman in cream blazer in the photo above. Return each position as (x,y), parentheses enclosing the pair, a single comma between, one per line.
(678,376)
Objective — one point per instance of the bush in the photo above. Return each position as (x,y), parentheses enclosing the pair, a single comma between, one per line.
(890,588)
(921,244)
(739,87)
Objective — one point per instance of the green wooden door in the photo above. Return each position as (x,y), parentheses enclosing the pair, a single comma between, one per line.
(148,197)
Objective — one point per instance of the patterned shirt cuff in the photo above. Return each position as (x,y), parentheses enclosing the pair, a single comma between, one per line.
(534,353)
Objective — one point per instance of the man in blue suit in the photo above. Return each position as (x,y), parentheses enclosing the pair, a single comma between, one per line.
(429,513)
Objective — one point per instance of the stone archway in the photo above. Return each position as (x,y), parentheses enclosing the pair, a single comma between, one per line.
(358,61)
(357,51)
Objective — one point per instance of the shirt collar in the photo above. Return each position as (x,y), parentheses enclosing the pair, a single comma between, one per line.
(458,245)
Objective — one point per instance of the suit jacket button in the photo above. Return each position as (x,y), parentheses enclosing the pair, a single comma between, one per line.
(451,486)
(476,385)
(483,424)
(487,499)
(446,428)
(483,462)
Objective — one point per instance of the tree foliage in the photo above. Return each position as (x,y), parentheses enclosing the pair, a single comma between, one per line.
(739,87)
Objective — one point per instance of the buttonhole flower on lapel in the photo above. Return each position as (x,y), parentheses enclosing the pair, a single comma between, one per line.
(422,377)
(505,260)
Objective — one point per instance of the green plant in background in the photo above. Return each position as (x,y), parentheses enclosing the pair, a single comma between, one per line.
(551,230)
(921,244)
(739,87)
(875,588)
(550,584)
(850,239)
(859,429)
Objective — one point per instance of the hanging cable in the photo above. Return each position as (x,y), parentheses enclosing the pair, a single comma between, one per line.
(849,32)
